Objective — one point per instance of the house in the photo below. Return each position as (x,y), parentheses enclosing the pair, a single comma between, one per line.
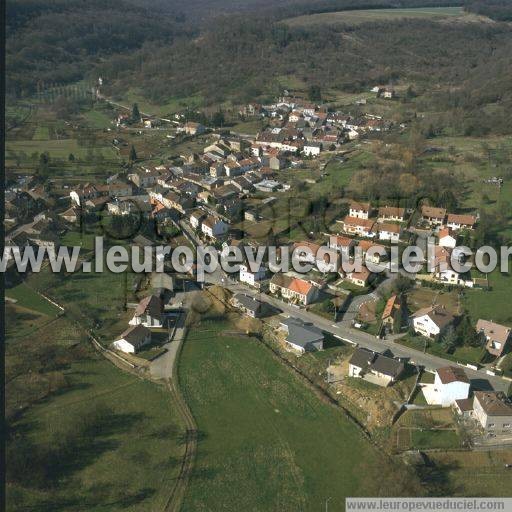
(312,148)
(359,210)
(392,313)
(342,244)
(457,222)
(361,278)
(196,217)
(192,128)
(497,336)
(493,410)
(214,227)
(444,272)
(358,226)
(375,253)
(464,407)
(391,213)
(327,260)
(252,278)
(435,216)
(250,306)
(70,215)
(389,232)
(302,336)
(133,339)
(374,367)
(149,312)
(446,238)
(450,384)
(293,288)
(431,321)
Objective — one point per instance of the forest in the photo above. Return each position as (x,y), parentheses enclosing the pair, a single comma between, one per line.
(165,51)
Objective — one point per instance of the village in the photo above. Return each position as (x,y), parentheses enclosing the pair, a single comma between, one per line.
(221,196)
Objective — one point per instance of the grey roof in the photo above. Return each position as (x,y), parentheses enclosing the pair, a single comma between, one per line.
(362,357)
(135,335)
(369,360)
(248,302)
(301,333)
(387,366)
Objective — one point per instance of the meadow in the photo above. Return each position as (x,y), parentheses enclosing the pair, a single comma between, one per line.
(356,17)
(106,441)
(266,442)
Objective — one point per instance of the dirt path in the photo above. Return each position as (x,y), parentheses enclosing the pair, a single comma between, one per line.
(187,464)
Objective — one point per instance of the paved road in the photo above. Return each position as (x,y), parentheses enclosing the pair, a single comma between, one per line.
(162,367)
(341,330)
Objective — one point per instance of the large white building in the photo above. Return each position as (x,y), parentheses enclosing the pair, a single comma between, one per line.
(252,278)
(133,339)
(430,322)
(451,383)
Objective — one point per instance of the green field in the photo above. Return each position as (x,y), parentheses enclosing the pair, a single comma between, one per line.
(57,148)
(27,298)
(125,456)
(426,439)
(357,17)
(94,299)
(493,304)
(266,441)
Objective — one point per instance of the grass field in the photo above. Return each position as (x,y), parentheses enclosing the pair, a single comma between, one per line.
(266,441)
(493,304)
(476,473)
(125,460)
(94,299)
(357,17)
(26,297)
(58,148)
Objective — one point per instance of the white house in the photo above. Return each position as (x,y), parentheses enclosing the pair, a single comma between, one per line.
(312,148)
(446,238)
(149,312)
(214,227)
(450,384)
(252,278)
(196,217)
(388,231)
(456,222)
(359,210)
(131,340)
(431,321)
(342,244)
(358,226)
(327,260)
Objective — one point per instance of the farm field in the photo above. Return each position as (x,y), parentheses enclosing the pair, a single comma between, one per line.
(357,17)
(257,423)
(88,442)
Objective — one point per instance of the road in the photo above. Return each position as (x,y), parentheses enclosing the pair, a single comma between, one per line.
(342,331)
(163,367)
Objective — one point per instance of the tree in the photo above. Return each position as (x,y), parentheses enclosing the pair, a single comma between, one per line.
(133,154)
(315,93)
(218,118)
(71,157)
(135,113)
(449,339)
